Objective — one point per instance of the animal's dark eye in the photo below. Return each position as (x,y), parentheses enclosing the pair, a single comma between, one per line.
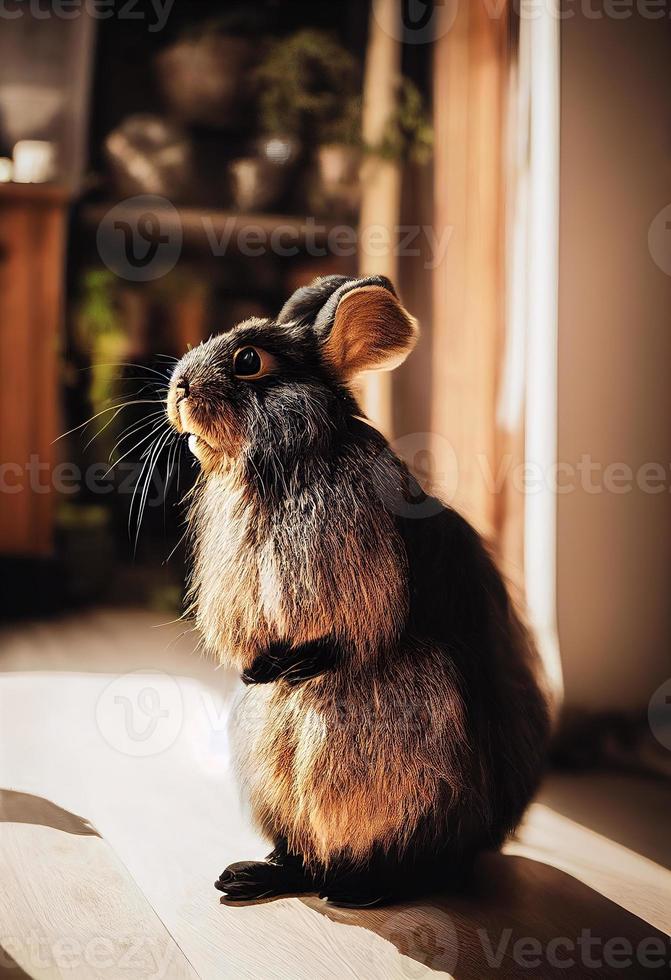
(248,363)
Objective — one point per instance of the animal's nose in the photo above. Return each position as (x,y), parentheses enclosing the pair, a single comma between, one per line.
(181,389)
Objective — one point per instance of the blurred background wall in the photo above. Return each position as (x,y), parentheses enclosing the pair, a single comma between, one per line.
(614,398)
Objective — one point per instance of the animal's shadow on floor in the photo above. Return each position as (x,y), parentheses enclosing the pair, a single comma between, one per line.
(9,968)
(516,918)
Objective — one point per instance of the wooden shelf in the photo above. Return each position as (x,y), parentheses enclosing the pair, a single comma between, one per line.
(200,226)
(34,193)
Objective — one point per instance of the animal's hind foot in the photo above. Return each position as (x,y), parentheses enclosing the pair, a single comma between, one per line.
(246,881)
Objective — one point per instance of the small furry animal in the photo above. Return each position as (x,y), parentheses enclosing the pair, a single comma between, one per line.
(393,725)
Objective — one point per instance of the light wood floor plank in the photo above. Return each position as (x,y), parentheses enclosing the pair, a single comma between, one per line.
(68,907)
(145,758)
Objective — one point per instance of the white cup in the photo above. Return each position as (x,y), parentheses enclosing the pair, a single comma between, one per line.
(34,161)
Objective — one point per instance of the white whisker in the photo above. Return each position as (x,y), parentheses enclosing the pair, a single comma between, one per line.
(110,408)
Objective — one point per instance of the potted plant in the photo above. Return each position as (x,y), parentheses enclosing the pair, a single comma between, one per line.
(335,188)
(408,138)
(204,76)
(306,83)
(303,82)
(408,135)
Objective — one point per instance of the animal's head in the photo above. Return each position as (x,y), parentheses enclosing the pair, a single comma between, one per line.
(282,386)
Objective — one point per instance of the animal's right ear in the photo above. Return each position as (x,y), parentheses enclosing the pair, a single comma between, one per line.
(360,323)
(367,328)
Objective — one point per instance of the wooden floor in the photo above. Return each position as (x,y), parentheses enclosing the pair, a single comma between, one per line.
(118,811)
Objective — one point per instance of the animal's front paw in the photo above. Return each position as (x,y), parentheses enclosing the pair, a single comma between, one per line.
(293,664)
(267,666)
(246,881)
(311,661)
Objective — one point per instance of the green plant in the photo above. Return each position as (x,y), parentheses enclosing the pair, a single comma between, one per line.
(102,344)
(97,310)
(305,81)
(77,516)
(99,333)
(408,135)
(344,127)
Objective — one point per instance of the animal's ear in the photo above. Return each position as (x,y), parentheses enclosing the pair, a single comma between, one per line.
(365,328)
(360,322)
(307,301)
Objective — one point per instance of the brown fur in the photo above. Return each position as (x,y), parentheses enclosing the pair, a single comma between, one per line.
(429,733)
(245,592)
(333,765)
(340,765)
(371,332)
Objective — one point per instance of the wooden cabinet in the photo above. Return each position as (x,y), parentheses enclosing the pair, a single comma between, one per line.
(32,240)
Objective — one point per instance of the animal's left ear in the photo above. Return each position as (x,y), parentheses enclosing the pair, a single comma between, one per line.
(365,328)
